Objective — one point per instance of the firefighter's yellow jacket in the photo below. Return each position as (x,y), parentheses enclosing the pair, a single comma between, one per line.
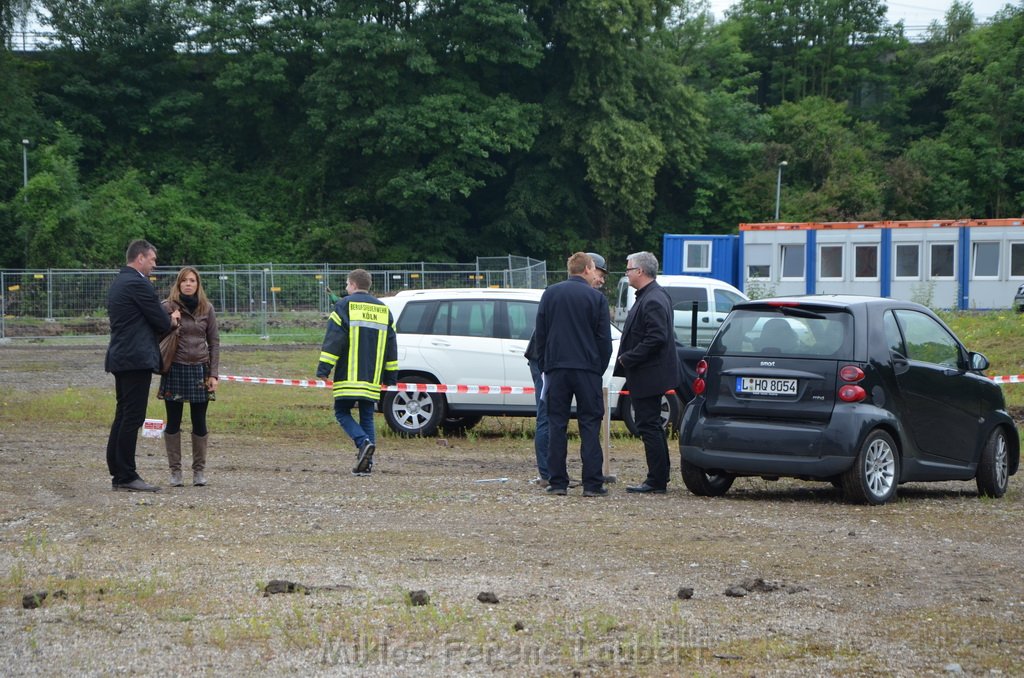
(361,346)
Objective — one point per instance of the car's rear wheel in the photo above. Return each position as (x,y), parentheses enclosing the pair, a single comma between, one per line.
(705,483)
(875,473)
(459,425)
(671,409)
(994,467)
(414,413)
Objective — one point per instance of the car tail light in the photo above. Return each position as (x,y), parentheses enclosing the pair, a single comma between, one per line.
(698,384)
(851,373)
(851,392)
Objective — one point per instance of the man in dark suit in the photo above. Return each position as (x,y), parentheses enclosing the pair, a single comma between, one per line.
(573,343)
(647,358)
(137,320)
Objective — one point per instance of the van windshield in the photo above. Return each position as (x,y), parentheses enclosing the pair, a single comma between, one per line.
(828,334)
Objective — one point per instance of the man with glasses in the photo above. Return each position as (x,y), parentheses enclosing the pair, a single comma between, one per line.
(648,360)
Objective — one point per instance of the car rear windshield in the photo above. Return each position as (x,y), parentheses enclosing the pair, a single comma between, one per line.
(786,332)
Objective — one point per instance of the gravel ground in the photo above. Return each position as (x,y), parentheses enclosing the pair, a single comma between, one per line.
(786,579)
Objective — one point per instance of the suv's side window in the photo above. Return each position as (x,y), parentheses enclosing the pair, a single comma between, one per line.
(926,340)
(466,318)
(522,318)
(413,317)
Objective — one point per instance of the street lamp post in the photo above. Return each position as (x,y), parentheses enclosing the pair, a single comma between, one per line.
(24,163)
(24,168)
(778,189)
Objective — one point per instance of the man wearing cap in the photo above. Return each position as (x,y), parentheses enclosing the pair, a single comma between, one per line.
(596,278)
(572,344)
(647,358)
(600,273)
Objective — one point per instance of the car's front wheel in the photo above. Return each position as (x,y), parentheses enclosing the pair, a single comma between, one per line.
(875,473)
(994,467)
(704,483)
(414,413)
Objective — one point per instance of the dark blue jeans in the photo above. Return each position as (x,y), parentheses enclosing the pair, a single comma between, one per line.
(131,389)
(540,436)
(361,430)
(562,385)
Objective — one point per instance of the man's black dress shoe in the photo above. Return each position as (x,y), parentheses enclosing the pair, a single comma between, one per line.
(644,488)
(560,491)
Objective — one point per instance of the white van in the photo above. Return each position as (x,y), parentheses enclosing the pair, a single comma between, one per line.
(714,301)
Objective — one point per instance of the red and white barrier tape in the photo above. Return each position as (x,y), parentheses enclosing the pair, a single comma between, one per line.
(422,388)
(1012,379)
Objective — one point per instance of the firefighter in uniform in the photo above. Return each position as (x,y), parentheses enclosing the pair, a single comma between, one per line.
(361,346)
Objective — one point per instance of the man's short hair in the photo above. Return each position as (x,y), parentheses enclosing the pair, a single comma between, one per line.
(361,278)
(646,262)
(578,263)
(135,248)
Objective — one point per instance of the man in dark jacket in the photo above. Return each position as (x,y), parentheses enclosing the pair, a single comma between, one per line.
(573,342)
(137,320)
(647,358)
(540,435)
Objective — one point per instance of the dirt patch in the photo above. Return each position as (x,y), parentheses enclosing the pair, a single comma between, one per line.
(776,578)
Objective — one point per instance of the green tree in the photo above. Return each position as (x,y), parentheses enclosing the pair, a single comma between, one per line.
(828,48)
(620,119)
(971,165)
(123,86)
(714,199)
(834,170)
(50,214)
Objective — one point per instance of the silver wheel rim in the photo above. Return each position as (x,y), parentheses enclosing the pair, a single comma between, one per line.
(665,414)
(1001,463)
(879,468)
(412,409)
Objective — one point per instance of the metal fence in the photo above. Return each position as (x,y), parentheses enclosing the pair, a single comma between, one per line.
(251,299)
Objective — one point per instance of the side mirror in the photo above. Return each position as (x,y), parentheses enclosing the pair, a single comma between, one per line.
(978,362)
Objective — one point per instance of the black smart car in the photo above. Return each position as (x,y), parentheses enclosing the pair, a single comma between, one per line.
(862,392)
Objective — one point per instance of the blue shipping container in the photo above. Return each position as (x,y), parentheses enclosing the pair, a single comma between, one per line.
(710,256)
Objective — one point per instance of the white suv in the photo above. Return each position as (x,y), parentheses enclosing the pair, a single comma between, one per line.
(472,337)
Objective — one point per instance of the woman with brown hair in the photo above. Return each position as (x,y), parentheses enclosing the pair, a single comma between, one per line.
(192,378)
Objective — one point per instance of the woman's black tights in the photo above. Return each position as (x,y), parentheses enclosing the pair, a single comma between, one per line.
(197,412)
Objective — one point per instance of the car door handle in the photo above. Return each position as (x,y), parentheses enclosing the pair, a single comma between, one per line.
(439,342)
(900,365)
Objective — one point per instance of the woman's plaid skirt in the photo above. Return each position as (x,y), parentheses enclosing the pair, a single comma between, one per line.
(185,383)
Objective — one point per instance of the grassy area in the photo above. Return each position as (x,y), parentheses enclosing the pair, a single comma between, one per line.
(999,335)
